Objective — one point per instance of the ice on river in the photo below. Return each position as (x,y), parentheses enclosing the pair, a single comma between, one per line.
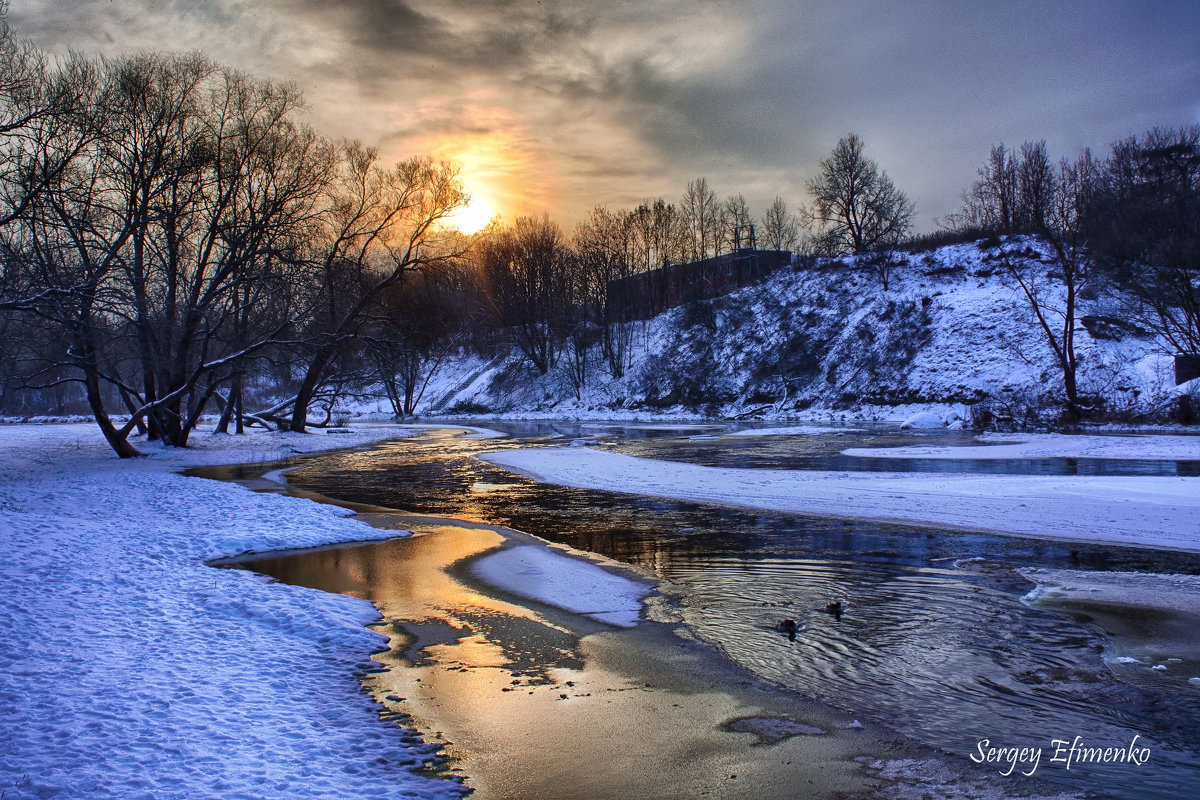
(1149,618)
(575,584)
(794,430)
(1159,511)
(1049,445)
(1169,592)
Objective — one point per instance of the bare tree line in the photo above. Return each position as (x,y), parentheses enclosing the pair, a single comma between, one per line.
(172,234)
(1127,222)
(173,237)
(1125,225)
(169,226)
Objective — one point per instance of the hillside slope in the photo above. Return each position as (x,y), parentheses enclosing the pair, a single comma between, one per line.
(950,334)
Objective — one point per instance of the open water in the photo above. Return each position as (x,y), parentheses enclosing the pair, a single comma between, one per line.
(931,638)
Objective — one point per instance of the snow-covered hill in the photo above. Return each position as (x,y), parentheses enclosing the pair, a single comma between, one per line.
(951,334)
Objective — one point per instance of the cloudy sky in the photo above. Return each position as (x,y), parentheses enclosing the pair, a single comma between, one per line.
(560,106)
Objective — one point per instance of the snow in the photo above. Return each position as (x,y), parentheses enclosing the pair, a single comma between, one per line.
(923,419)
(823,342)
(129,668)
(1174,592)
(563,581)
(1159,511)
(795,430)
(1050,445)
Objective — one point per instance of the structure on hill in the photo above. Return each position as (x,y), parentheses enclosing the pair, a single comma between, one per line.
(649,293)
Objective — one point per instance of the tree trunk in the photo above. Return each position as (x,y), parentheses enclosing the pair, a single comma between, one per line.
(226,414)
(118,441)
(236,400)
(309,387)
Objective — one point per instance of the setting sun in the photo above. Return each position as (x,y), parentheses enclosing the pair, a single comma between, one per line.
(474,216)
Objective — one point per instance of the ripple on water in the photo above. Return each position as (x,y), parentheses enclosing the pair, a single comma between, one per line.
(944,655)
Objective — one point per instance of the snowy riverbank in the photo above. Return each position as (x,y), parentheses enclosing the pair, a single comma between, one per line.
(129,668)
(1161,512)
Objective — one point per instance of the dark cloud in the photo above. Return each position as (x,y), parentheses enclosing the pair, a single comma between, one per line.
(600,102)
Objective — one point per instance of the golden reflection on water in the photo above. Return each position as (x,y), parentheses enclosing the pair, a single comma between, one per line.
(455,654)
(529,704)
(406,578)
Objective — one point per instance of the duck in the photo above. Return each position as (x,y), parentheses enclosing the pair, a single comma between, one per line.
(788,626)
(835,608)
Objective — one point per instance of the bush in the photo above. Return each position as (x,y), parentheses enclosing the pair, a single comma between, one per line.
(1186,410)
(467,408)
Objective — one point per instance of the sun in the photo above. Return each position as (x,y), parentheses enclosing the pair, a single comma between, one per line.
(474,216)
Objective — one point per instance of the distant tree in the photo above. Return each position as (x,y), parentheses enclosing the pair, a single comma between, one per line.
(736,223)
(1066,197)
(990,205)
(603,246)
(528,278)
(658,236)
(780,229)
(883,263)
(1014,193)
(1036,188)
(1145,230)
(584,296)
(998,191)
(856,206)
(701,214)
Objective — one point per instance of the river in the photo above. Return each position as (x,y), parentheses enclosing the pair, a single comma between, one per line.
(931,637)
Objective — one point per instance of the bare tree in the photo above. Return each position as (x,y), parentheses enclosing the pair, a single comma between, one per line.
(422,322)
(158,250)
(857,206)
(527,272)
(38,105)
(780,228)
(603,246)
(47,117)
(998,190)
(214,170)
(1015,193)
(990,205)
(378,225)
(1035,189)
(67,244)
(1053,295)
(737,223)
(883,263)
(584,291)
(658,237)
(1145,231)
(701,214)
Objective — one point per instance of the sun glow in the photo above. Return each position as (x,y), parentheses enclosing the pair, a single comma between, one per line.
(474,216)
